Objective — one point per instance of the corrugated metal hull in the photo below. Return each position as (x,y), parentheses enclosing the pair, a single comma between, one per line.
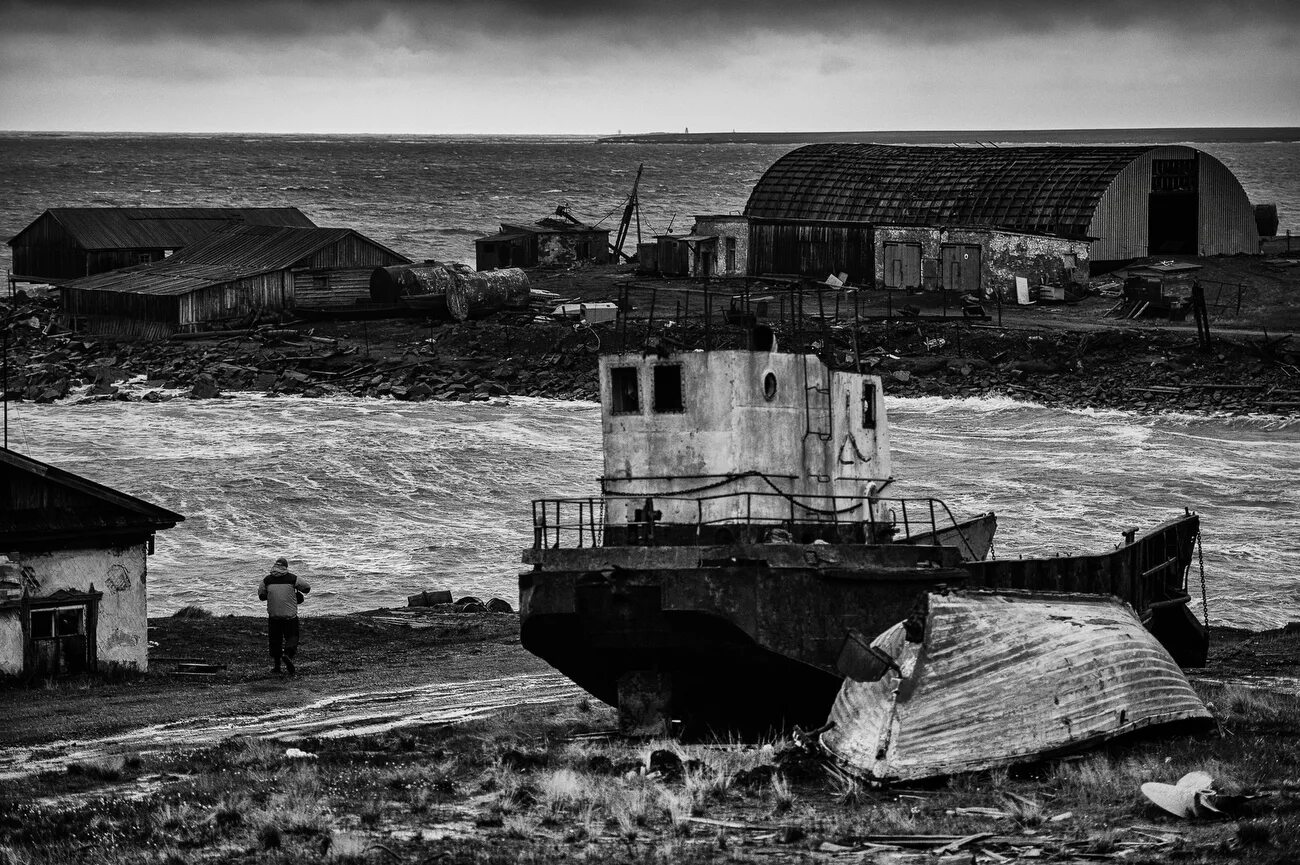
(1005,678)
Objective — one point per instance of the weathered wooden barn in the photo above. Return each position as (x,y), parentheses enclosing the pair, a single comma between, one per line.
(70,242)
(549,242)
(1129,201)
(230,276)
(73,574)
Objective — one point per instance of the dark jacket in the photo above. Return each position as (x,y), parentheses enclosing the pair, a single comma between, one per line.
(280,590)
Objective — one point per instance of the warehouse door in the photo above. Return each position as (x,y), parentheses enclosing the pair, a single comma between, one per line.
(902,265)
(1173,223)
(1171,207)
(960,268)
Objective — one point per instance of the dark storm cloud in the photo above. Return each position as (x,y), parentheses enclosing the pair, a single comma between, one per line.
(670,20)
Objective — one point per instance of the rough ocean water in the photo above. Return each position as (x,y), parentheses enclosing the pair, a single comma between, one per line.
(376,499)
(373,500)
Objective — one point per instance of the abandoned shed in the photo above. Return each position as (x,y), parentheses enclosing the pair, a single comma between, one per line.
(230,276)
(73,575)
(549,242)
(1128,201)
(70,242)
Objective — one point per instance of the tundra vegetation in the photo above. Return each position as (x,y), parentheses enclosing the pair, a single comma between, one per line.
(546,783)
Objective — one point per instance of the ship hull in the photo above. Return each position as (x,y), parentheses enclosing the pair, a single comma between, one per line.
(746,636)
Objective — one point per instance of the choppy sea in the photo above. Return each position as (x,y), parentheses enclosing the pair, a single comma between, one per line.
(374,500)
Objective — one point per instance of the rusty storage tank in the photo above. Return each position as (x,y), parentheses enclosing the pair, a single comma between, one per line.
(423,287)
(476,293)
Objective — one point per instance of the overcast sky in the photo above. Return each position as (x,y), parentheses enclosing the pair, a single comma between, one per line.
(588,67)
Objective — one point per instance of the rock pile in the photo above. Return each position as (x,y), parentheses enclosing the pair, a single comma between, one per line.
(513,354)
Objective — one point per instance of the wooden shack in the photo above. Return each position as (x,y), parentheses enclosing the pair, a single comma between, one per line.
(73,573)
(70,242)
(232,276)
(549,242)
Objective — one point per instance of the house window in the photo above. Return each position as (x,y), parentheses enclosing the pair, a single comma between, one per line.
(731,254)
(59,622)
(59,641)
(319,282)
(668,388)
(868,404)
(769,386)
(624,398)
(143,258)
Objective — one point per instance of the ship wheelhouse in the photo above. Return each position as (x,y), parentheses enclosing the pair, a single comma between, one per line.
(740,446)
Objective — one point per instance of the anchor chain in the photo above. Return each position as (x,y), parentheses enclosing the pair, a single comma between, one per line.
(1205,603)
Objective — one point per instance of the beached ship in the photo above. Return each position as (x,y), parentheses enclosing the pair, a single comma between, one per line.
(745,525)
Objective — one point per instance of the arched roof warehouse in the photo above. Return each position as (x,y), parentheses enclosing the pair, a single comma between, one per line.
(1133,200)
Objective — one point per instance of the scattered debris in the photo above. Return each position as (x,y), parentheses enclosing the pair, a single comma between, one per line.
(1193,796)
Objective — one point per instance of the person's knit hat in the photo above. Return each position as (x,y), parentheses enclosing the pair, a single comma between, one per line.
(282,561)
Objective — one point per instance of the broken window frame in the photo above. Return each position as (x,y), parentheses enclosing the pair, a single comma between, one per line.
(624,390)
(868,404)
(667,394)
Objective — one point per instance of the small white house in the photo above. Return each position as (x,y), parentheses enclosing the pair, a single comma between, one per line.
(73,571)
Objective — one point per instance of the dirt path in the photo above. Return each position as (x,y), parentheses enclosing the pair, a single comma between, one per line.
(336,716)
(353,670)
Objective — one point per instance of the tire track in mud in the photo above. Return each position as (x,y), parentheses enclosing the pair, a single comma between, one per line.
(337,716)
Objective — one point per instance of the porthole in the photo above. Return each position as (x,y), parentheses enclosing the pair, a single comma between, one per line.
(769,386)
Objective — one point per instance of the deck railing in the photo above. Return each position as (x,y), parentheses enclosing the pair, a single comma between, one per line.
(732,517)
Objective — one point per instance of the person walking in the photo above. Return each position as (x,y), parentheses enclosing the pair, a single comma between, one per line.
(283,592)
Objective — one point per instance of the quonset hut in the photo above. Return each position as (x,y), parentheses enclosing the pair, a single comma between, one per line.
(1125,202)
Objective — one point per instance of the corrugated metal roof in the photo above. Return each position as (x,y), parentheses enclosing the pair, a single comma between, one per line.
(1033,189)
(551,225)
(231,253)
(162,227)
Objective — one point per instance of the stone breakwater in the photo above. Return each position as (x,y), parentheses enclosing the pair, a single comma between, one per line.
(1137,369)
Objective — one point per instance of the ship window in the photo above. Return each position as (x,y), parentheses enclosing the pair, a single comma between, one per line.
(623,387)
(868,404)
(668,388)
(769,386)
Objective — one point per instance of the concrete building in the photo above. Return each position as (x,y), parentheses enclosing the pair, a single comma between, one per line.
(975,260)
(1126,201)
(231,276)
(70,242)
(73,575)
(718,245)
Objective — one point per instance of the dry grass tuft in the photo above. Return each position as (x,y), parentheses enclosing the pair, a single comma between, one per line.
(781,794)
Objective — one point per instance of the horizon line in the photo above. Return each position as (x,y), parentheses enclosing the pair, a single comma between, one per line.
(621,134)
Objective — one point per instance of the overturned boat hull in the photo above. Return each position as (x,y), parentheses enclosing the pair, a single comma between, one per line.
(988,679)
